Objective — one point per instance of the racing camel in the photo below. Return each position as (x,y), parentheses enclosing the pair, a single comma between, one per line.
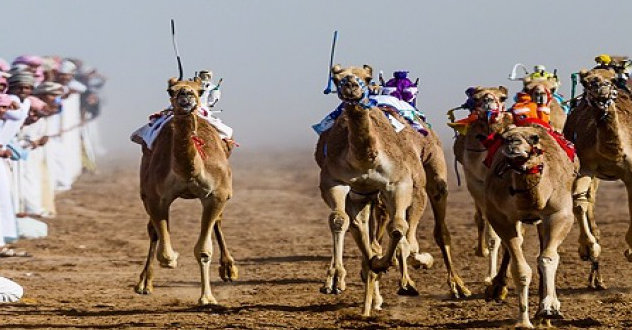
(188,160)
(365,163)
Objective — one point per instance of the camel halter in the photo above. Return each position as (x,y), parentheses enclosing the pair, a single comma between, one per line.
(520,168)
(364,102)
(491,113)
(602,105)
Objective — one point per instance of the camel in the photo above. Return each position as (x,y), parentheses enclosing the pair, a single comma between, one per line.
(600,128)
(489,111)
(531,181)
(188,160)
(363,161)
(541,91)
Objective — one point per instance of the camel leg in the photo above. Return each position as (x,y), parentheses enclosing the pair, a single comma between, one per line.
(481,242)
(335,196)
(203,251)
(145,285)
(159,216)
(493,245)
(552,232)
(521,272)
(418,260)
(359,209)
(227,269)
(398,200)
(628,235)
(589,248)
(370,287)
(497,289)
(437,189)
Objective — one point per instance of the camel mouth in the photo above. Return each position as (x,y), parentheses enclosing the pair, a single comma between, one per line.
(516,155)
(187,104)
(350,94)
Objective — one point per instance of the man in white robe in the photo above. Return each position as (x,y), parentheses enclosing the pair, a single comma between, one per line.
(21,85)
(66,152)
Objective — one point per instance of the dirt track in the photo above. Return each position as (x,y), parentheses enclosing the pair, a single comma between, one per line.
(83,274)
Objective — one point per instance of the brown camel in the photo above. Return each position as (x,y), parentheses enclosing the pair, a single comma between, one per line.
(489,109)
(531,181)
(363,160)
(541,91)
(188,160)
(600,128)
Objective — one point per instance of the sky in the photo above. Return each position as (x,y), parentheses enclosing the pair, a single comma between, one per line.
(274,55)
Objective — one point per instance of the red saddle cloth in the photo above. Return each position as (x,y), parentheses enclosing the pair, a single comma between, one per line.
(493,141)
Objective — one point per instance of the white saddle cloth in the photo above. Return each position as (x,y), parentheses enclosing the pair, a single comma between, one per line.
(149,132)
(10,291)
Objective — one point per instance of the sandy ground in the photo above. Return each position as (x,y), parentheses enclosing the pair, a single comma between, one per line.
(83,274)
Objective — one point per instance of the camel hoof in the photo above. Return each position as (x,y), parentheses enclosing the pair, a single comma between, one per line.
(598,286)
(422,260)
(408,290)
(596,283)
(524,325)
(206,300)
(549,314)
(327,290)
(169,263)
(228,272)
(142,289)
(496,292)
(628,255)
(376,267)
(459,290)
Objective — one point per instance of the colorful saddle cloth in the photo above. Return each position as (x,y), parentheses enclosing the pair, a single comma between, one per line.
(414,117)
(494,140)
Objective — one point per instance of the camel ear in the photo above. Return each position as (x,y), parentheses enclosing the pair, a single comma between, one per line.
(172,81)
(527,80)
(504,90)
(582,76)
(336,69)
(368,69)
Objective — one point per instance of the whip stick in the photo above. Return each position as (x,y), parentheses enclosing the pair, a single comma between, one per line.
(175,48)
(331,63)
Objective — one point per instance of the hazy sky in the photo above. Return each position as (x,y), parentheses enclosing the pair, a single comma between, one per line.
(273,55)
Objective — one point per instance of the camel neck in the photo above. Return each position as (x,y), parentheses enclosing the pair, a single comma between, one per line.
(608,135)
(526,186)
(363,147)
(186,161)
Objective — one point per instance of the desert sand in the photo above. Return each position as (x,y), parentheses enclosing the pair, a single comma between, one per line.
(83,274)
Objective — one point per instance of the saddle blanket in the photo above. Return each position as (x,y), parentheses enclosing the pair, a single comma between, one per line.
(149,132)
(494,141)
(406,110)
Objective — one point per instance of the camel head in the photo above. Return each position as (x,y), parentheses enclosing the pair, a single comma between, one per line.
(185,95)
(599,87)
(521,147)
(352,82)
(541,89)
(488,103)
